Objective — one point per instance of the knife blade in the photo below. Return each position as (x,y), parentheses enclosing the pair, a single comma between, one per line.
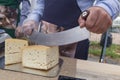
(60,38)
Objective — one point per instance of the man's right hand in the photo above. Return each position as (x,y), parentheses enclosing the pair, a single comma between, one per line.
(27,28)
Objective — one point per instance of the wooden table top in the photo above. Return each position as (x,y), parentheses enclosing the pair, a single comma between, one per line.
(71,67)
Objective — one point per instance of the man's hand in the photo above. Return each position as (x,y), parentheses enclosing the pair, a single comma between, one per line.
(27,28)
(98,20)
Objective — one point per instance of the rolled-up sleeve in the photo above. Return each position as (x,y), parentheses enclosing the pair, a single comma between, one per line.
(111,6)
(37,11)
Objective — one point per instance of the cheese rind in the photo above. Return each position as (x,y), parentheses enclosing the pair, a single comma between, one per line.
(13,49)
(14,45)
(40,57)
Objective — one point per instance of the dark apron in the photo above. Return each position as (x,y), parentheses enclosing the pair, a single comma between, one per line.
(14,5)
(63,13)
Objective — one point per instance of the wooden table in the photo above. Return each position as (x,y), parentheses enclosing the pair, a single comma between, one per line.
(72,67)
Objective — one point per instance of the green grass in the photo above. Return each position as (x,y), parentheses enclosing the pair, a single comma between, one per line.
(113,51)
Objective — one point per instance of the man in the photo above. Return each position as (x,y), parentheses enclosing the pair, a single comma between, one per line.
(11,15)
(58,15)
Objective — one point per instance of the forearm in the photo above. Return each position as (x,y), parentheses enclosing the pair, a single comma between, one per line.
(111,6)
(37,11)
(25,10)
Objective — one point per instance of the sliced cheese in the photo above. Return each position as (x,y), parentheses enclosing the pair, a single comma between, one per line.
(40,57)
(13,49)
(13,58)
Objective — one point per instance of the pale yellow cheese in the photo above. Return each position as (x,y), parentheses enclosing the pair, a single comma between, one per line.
(13,49)
(13,58)
(40,57)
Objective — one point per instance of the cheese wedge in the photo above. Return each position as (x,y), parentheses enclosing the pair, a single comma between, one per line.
(13,49)
(40,57)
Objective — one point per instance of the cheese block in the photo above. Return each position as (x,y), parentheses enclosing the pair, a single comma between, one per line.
(13,49)
(13,58)
(40,57)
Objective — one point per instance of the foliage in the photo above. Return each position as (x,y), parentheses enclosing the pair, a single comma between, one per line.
(113,51)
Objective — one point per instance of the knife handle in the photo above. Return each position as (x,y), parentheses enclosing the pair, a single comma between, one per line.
(85,14)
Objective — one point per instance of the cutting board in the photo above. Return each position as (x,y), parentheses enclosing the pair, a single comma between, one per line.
(53,72)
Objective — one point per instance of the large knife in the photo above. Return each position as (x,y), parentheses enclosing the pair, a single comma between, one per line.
(61,38)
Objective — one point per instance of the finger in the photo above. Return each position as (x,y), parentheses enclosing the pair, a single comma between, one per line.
(103,22)
(18,32)
(91,20)
(95,27)
(29,27)
(83,18)
(81,22)
(27,31)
